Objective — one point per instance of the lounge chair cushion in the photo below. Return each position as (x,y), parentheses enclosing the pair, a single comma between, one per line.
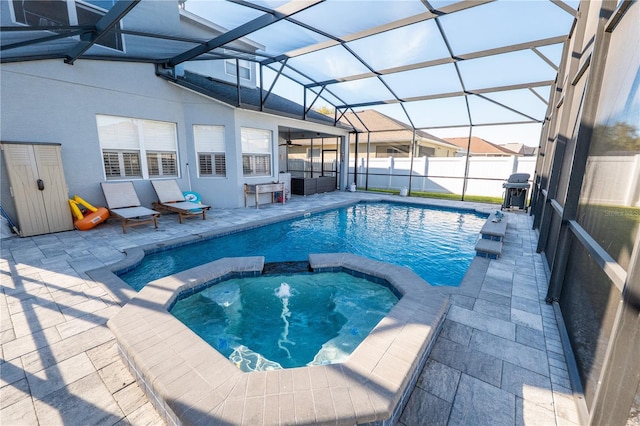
(168,191)
(171,198)
(133,212)
(120,194)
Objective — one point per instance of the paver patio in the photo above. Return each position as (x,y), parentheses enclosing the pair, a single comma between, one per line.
(498,359)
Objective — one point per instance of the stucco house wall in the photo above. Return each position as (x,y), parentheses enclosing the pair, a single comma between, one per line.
(50,101)
(195,25)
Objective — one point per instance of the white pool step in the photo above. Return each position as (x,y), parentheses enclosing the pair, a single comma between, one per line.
(495,228)
(492,236)
(489,248)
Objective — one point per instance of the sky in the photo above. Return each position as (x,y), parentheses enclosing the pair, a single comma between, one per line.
(494,25)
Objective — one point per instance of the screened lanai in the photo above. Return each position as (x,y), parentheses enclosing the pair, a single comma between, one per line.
(451,68)
(560,76)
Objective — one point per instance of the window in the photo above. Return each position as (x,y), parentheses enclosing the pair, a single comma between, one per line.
(256,152)
(68,12)
(161,164)
(426,151)
(40,13)
(134,148)
(160,144)
(244,67)
(209,143)
(89,15)
(122,164)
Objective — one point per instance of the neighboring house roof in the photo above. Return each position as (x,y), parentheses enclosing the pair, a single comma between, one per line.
(480,146)
(515,147)
(249,97)
(521,148)
(385,129)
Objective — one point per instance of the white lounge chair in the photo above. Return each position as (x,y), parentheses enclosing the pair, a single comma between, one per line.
(171,198)
(123,204)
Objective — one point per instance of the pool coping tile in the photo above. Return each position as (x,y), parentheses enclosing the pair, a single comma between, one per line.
(175,366)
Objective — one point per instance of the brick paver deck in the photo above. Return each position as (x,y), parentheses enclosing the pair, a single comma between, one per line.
(498,358)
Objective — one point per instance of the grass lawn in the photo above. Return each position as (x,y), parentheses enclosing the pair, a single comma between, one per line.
(613,227)
(444,196)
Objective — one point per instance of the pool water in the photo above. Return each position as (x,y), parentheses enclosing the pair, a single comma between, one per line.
(436,243)
(285,321)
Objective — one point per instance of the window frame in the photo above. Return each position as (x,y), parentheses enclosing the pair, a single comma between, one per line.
(217,170)
(242,64)
(163,170)
(121,162)
(71,14)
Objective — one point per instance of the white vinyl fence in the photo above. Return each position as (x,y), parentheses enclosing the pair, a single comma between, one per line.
(612,180)
(442,174)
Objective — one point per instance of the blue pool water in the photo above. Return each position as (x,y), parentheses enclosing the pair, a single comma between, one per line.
(286,321)
(437,244)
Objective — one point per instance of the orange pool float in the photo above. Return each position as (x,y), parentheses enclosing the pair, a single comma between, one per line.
(92,219)
(82,221)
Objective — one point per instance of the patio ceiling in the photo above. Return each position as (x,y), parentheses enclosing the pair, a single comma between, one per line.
(432,64)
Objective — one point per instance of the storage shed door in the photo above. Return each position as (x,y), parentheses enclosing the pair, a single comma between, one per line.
(40,211)
(55,193)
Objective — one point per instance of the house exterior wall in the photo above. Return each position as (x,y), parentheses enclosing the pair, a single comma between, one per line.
(194,25)
(215,191)
(165,16)
(217,70)
(50,101)
(255,120)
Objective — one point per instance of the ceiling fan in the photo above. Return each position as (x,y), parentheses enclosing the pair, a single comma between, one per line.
(288,141)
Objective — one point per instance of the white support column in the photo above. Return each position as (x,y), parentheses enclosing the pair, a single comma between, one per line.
(344,164)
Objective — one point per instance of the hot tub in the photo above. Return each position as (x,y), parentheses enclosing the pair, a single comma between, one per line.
(279,321)
(189,382)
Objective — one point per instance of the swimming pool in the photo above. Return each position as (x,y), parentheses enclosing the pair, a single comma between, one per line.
(284,321)
(436,243)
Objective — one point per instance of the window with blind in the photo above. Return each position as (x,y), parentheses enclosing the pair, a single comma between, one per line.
(137,149)
(209,144)
(256,151)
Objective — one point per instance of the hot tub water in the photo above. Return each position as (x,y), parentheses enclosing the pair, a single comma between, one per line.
(285,321)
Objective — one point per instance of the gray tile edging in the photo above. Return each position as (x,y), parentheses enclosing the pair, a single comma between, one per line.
(190,382)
